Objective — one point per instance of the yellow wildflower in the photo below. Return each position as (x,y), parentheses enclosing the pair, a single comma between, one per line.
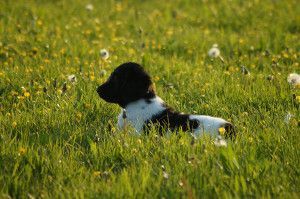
(156,78)
(231,69)
(222,130)
(139,141)
(96,173)
(22,151)
(26,94)
(119,7)
(14,124)
(21,97)
(39,22)
(59,91)
(298,98)
(78,116)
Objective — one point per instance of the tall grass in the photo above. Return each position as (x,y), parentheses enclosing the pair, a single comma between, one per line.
(58,139)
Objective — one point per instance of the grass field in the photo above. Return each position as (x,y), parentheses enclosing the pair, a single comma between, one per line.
(59,139)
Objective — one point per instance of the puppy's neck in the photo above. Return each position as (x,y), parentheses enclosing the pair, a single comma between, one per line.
(151,106)
(140,111)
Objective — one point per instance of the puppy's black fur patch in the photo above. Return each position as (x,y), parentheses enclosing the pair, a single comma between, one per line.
(230,131)
(128,83)
(172,120)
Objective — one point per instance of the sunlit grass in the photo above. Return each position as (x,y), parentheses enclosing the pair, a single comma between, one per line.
(58,139)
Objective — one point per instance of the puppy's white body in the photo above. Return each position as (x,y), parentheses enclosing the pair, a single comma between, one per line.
(140,111)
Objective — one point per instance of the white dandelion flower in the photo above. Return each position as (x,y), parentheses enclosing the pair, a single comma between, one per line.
(214,51)
(294,79)
(104,54)
(89,7)
(72,78)
(220,142)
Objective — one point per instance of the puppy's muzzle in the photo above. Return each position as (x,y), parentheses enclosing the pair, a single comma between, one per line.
(106,93)
(101,91)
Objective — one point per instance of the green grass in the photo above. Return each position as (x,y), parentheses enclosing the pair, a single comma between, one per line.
(56,145)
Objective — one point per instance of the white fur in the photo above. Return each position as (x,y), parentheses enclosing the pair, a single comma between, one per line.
(138,112)
(208,124)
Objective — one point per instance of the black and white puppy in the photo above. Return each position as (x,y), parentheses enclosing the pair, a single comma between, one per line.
(131,87)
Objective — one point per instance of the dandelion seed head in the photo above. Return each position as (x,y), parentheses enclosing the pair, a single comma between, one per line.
(104,54)
(294,79)
(89,7)
(72,78)
(214,51)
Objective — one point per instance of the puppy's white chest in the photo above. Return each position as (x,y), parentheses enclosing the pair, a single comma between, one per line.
(135,121)
(137,113)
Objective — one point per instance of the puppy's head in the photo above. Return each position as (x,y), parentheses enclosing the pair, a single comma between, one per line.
(129,82)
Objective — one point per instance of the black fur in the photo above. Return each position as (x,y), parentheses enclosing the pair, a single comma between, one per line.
(230,131)
(128,83)
(172,120)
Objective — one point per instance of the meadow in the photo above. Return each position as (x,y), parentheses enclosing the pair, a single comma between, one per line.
(58,139)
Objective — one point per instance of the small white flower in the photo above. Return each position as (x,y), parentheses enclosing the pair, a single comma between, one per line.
(89,7)
(214,52)
(288,117)
(72,78)
(220,142)
(294,79)
(104,54)
(165,175)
